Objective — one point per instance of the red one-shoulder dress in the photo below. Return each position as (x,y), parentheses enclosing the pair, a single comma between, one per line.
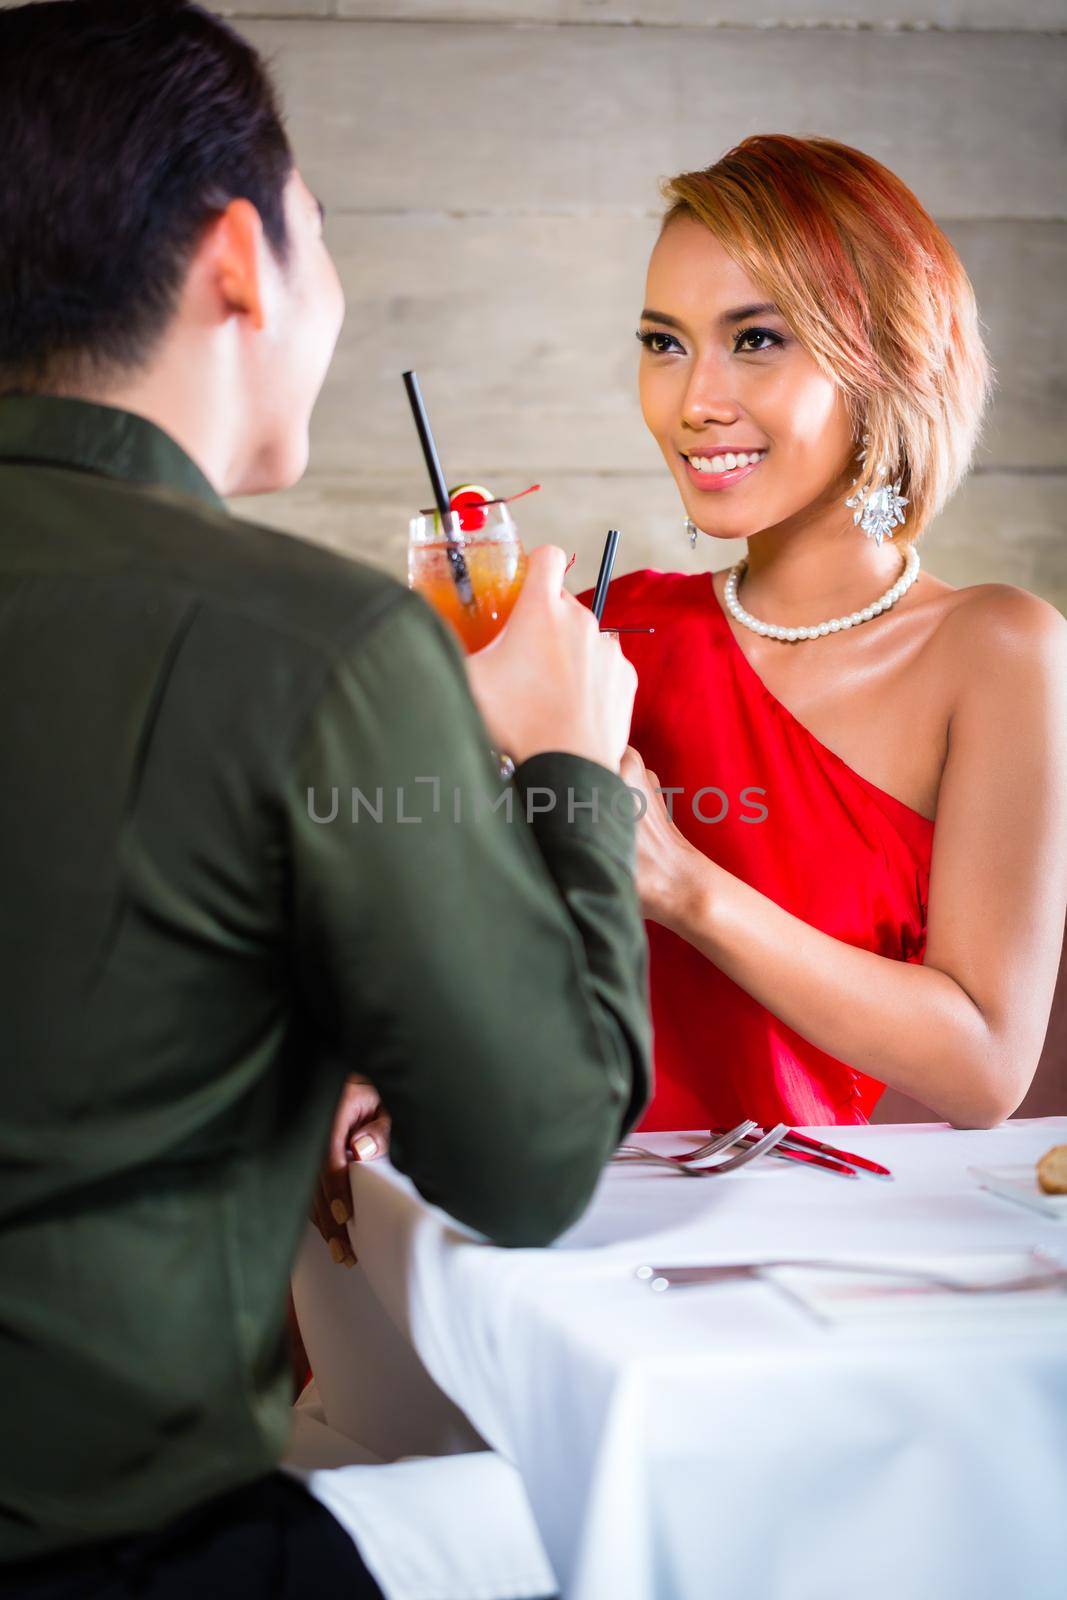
(773,805)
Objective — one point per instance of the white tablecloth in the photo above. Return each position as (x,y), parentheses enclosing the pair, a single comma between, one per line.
(720,1442)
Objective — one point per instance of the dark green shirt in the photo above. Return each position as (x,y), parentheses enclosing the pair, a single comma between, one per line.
(203,929)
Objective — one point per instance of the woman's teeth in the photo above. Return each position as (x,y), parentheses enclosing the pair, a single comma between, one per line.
(727,462)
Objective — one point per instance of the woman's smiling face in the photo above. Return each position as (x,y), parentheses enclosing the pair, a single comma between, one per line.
(722,375)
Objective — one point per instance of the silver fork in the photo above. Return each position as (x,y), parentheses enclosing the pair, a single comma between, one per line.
(1050,1274)
(685,1163)
(722,1141)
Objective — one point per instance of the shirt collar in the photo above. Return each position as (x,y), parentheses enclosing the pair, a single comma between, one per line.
(102,439)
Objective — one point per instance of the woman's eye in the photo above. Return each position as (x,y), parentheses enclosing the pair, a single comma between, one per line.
(742,342)
(658,343)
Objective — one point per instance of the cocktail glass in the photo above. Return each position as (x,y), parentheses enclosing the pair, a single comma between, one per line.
(472,579)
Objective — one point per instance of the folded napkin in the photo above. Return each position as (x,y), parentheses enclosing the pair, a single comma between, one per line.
(1020,1184)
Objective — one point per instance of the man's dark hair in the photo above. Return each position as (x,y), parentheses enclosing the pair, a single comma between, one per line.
(125,125)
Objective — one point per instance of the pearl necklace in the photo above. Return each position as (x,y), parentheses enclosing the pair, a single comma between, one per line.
(771,630)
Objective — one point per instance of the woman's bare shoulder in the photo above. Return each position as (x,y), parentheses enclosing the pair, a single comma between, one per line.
(998,617)
(992,635)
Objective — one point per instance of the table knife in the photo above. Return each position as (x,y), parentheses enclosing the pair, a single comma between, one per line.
(806,1158)
(793,1137)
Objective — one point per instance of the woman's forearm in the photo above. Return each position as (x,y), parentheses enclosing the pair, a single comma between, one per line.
(913,1027)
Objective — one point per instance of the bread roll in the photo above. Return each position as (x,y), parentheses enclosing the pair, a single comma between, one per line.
(1052,1170)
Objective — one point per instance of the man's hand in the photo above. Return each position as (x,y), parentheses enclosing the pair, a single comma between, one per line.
(551,680)
(360,1132)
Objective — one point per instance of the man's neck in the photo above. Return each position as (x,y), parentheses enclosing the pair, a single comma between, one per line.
(178,397)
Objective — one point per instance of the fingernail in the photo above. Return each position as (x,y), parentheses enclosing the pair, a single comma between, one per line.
(339,1211)
(349,1261)
(364,1147)
(337,1250)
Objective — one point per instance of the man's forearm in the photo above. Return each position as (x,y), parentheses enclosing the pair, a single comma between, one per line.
(486,972)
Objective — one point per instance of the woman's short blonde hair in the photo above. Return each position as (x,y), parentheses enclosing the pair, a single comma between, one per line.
(871,286)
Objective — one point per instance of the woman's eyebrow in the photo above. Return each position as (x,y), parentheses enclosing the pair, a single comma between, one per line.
(660,316)
(735,314)
(742,313)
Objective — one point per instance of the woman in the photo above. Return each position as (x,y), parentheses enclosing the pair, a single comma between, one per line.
(864,878)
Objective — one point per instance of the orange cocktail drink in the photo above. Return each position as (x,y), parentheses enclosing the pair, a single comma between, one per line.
(472,579)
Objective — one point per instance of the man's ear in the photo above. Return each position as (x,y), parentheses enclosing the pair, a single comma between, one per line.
(237,257)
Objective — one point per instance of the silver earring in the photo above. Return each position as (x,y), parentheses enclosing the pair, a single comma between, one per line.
(877,510)
(692,530)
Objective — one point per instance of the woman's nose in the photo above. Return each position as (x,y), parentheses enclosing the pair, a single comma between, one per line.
(707,400)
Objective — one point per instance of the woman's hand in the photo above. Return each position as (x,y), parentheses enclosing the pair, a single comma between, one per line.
(669,868)
(360,1132)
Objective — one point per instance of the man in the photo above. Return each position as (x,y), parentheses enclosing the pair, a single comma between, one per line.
(198,946)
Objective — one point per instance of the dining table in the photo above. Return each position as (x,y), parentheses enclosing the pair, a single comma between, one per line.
(864,1428)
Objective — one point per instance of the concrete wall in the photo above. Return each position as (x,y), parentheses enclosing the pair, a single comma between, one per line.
(489,169)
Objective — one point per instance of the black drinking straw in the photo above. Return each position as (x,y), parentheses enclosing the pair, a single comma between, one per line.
(607,562)
(440,491)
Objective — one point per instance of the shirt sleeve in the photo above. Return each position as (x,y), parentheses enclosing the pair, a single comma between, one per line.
(475,948)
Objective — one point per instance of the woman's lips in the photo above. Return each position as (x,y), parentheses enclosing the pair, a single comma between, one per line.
(719,480)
